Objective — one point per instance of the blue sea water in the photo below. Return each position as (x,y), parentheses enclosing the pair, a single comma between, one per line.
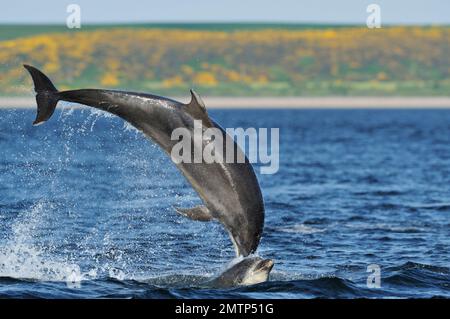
(86,208)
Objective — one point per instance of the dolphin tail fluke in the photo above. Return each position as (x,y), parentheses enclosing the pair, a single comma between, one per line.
(46,95)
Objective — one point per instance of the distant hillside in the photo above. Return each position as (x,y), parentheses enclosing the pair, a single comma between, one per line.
(240,59)
(11,31)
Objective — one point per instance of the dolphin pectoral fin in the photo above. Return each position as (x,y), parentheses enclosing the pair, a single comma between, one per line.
(197,109)
(199,213)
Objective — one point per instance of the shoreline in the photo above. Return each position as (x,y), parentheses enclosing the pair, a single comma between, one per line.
(337,102)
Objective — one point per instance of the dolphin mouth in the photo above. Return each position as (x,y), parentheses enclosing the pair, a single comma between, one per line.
(266,265)
(38,122)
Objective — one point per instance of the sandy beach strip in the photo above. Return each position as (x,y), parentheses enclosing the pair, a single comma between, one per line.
(286,102)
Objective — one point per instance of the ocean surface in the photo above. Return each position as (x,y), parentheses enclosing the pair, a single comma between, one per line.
(86,208)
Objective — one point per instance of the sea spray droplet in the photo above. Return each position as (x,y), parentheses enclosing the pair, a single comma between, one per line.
(116,274)
(128,127)
(74,277)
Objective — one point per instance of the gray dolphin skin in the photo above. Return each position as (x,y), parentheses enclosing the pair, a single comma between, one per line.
(230,191)
(249,271)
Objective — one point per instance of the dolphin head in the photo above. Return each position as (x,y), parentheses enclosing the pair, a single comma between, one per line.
(248,271)
(257,272)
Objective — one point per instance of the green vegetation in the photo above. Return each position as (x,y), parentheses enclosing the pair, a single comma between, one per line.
(231,59)
(11,31)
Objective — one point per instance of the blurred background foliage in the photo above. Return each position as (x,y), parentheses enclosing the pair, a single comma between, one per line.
(231,59)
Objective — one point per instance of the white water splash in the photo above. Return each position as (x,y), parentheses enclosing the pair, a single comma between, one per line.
(116,274)
(128,127)
(95,114)
(100,113)
(20,258)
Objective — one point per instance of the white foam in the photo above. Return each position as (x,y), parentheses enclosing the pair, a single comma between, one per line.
(20,258)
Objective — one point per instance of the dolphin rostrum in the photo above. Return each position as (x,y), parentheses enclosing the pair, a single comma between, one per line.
(230,191)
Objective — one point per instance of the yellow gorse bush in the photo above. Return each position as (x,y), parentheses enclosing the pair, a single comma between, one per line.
(114,57)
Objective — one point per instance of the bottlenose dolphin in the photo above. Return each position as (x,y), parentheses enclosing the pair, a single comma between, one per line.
(249,271)
(230,191)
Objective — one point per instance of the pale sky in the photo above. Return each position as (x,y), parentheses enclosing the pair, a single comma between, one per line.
(292,11)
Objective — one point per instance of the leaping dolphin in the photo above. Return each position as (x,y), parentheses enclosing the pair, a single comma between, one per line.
(230,191)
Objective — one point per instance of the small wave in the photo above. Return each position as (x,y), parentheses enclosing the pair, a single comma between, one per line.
(317,221)
(380,193)
(357,218)
(279,205)
(386,227)
(321,287)
(370,179)
(434,279)
(388,206)
(442,207)
(413,265)
(301,229)
(177,281)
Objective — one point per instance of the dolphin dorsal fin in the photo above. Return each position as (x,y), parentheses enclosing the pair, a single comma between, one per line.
(196,108)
